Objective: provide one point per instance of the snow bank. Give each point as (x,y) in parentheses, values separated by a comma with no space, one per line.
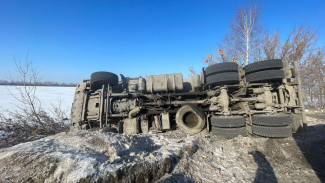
(93,156)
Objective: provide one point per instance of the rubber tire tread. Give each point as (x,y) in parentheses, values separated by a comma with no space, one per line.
(99,78)
(229,133)
(271,64)
(227,78)
(276,132)
(228,122)
(265,76)
(271,120)
(221,67)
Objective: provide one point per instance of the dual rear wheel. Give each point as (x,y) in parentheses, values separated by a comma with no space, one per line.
(259,72)
(191,120)
(268,71)
(222,74)
(274,126)
(228,126)
(277,125)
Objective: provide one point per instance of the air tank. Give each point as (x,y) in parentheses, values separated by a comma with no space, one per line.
(137,85)
(195,81)
(164,83)
(142,85)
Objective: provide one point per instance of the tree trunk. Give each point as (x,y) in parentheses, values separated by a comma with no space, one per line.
(247,48)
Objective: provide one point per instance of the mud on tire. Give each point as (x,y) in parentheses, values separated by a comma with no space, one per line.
(271,120)
(221,68)
(227,122)
(228,133)
(226,78)
(276,132)
(272,64)
(265,76)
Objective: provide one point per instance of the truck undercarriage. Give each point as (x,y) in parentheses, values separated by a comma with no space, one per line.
(263,98)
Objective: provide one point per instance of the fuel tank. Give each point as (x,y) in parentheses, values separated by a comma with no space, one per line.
(164,83)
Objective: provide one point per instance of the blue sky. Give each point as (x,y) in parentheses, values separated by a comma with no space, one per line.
(68,40)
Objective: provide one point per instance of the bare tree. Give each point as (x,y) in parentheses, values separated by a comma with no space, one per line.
(245,29)
(28,76)
(298,44)
(210,59)
(312,75)
(192,72)
(271,45)
(242,43)
(29,119)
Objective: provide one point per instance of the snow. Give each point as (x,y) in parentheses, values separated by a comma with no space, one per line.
(77,156)
(49,97)
(3,134)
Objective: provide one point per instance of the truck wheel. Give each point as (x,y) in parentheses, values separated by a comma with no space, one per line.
(265,76)
(272,64)
(271,120)
(190,119)
(221,67)
(277,132)
(229,133)
(97,79)
(226,78)
(227,122)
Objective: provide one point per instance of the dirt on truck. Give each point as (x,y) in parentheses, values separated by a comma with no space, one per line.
(261,99)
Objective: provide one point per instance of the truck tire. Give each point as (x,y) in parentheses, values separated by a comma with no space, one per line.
(271,120)
(265,76)
(227,122)
(226,78)
(190,119)
(272,64)
(221,67)
(97,79)
(229,133)
(277,132)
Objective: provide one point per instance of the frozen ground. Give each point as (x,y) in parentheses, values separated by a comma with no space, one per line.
(46,94)
(94,156)
(167,157)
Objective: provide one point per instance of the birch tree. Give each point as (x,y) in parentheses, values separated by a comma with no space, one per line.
(241,44)
(245,30)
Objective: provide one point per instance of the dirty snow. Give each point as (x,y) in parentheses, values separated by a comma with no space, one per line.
(253,159)
(3,134)
(92,156)
(167,157)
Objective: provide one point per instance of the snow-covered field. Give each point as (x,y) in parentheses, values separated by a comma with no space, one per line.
(48,96)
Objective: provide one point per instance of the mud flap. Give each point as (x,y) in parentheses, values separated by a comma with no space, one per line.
(297,123)
(131,126)
(144,126)
(165,121)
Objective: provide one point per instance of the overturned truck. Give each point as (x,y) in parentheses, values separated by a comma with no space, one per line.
(262,99)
